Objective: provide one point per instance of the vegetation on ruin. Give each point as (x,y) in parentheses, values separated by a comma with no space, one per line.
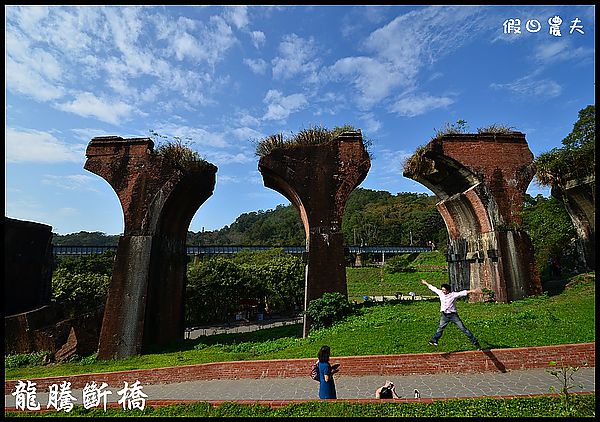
(576,158)
(419,164)
(582,405)
(496,129)
(395,327)
(179,151)
(313,135)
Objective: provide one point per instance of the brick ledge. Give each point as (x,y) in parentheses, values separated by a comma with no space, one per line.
(493,360)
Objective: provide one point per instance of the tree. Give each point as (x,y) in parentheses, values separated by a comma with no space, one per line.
(551,231)
(576,158)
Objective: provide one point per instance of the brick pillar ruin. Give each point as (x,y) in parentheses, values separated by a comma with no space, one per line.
(27,265)
(481,182)
(578,196)
(318,180)
(145,304)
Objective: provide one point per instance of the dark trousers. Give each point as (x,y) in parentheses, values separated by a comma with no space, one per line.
(445,319)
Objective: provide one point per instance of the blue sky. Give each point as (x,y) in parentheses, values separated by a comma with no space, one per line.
(225,76)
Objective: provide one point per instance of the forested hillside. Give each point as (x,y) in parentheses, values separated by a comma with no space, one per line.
(371,218)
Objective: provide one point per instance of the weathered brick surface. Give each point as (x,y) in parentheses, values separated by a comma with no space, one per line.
(318,180)
(579,199)
(481,182)
(27,265)
(494,360)
(159,197)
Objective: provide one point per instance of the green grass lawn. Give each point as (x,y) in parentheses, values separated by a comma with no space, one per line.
(389,328)
(580,406)
(372,281)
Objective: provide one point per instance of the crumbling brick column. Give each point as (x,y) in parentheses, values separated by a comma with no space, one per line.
(481,181)
(27,265)
(318,179)
(578,196)
(159,197)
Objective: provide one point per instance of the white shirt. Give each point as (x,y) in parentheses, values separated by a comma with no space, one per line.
(447,300)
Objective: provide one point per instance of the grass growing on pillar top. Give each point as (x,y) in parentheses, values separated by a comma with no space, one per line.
(314,135)
(179,151)
(419,164)
(497,129)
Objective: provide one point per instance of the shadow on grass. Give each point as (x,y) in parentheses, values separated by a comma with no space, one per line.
(258,336)
(554,287)
(499,365)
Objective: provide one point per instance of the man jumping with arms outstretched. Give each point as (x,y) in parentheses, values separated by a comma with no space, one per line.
(449,312)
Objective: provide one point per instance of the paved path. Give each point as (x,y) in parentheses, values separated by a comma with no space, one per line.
(521,382)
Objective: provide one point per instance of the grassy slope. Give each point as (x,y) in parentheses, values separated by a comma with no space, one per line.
(391,328)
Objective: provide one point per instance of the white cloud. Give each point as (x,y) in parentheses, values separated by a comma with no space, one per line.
(42,147)
(414,105)
(258,66)
(390,162)
(258,38)
(221,158)
(372,125)
(238,15)
(184,45)
(280,107)
(246,133)
(403,47)
(561,50)
(223,179)
(198,136)
(297,57)
(86,134)
(373,79)
(87,104)
(530,87)
(24,80)
(71,182)
(52,51)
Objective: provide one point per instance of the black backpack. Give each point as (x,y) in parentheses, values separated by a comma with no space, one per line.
(314,371)
(386,393)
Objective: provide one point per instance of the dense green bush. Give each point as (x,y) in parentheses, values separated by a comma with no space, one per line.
(328,309)
(99,263)
(552,233)
(80,284)
(79,293)
(25,359)
(216,285)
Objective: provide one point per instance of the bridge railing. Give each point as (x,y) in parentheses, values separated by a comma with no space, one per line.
(60,250)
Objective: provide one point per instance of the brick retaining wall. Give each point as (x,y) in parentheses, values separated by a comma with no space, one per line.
(494,360)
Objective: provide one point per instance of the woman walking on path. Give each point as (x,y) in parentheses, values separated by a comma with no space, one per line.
(326,371)
(449,313)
